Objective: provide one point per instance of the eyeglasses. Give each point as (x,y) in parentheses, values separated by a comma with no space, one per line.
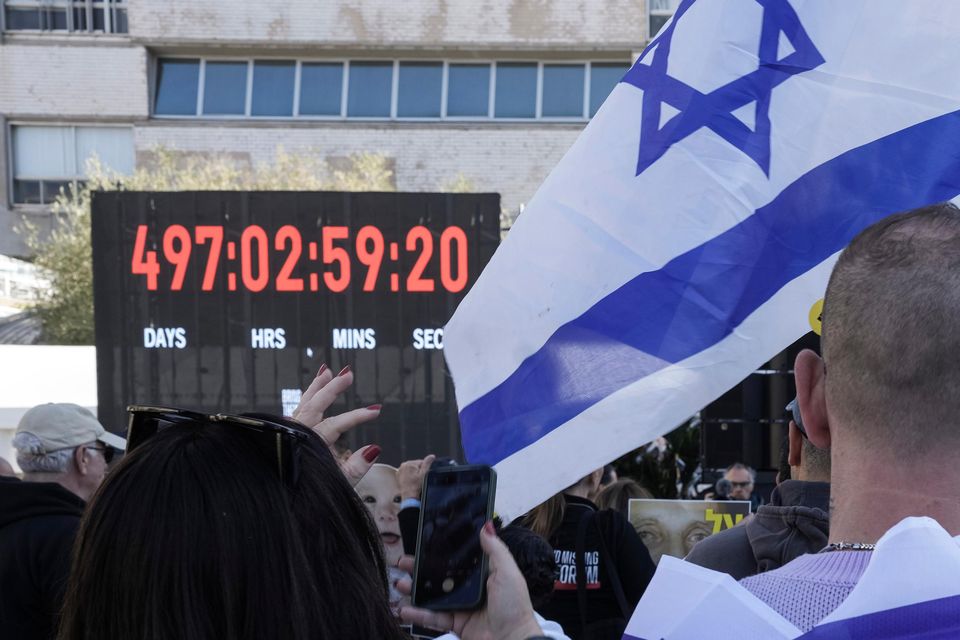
(279,442)
(106,452)
(740,485)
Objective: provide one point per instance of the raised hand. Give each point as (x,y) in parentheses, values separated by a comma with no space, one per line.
(410,476)
(319,396)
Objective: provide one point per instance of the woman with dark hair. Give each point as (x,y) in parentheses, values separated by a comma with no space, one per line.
(229,527)
(603,565)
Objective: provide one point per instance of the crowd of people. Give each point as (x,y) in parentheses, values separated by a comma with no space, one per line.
(254,526)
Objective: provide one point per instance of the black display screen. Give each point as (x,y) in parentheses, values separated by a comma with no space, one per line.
(231,301)
(450,570)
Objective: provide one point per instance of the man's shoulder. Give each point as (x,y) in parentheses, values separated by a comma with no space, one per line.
(727,551)
(41,510)
(807,589)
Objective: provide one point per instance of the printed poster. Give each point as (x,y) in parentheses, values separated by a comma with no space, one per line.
(673,527)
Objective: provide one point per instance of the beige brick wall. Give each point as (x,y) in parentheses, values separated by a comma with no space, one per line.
(511,160)
(509,24)
(80,79)
(77,78)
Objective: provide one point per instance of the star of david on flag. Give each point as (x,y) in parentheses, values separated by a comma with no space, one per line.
(682,240)
(784,49)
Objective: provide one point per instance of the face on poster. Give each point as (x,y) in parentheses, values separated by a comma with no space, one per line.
(672,527)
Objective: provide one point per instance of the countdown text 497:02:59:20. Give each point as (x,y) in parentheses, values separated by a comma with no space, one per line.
(336,251)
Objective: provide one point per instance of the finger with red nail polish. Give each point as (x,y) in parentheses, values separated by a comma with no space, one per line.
(371,453)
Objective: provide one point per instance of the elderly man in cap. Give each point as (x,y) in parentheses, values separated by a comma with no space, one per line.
(64,452)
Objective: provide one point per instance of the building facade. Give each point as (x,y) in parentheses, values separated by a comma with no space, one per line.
(493,91)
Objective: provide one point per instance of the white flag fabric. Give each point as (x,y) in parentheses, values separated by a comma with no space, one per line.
(685,600)
(683,239)
(910,589)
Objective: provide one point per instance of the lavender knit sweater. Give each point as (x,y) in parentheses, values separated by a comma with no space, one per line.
(808,589)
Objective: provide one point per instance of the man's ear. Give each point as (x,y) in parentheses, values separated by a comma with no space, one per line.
(810,375)
(795,440)
(80,460)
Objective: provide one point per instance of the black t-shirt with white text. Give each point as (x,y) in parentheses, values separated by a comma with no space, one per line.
(630,557)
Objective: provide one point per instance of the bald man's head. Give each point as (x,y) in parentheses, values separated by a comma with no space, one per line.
(891,332)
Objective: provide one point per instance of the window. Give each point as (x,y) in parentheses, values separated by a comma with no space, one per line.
(92,16)
(273,88)
(321,88)
(660,12)
(382,89)
(603,78)
(419,90)
(371,87)
(563,90)
(468,90)
(516,95)
(225,88)
(177,87)
(47,159)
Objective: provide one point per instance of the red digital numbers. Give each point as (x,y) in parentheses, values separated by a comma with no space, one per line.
(289,234)
(176,250)
(144,262)
(420,235)
(333,254)
(258,282)
(255,250)
(215,236)
(372,258)
(449,237)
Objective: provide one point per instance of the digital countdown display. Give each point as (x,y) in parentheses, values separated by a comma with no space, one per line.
(231,301)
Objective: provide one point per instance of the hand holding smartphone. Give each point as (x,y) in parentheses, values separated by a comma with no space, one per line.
(451,568)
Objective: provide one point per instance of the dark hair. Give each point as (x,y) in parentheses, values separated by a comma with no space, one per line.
(617,495)
(534,558)
(890,338)
(546,517)
(607,477)
(783,471)
(194,535)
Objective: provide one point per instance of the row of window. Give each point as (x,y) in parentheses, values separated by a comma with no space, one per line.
(47,159)
(382,89)
(105,16)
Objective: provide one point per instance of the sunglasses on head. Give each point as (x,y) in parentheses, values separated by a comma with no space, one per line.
(279,442)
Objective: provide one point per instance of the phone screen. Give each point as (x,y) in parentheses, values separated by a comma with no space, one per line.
(450,565)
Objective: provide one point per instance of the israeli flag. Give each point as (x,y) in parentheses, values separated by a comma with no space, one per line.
(684,238)
(908,590)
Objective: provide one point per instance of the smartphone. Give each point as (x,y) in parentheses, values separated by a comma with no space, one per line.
(451,569)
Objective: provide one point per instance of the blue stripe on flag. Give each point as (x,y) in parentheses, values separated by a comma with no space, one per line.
(662,317)
(931,620)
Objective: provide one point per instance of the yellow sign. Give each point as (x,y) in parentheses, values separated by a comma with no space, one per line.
(816,316)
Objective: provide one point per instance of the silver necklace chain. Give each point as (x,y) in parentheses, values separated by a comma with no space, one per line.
(849,546)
